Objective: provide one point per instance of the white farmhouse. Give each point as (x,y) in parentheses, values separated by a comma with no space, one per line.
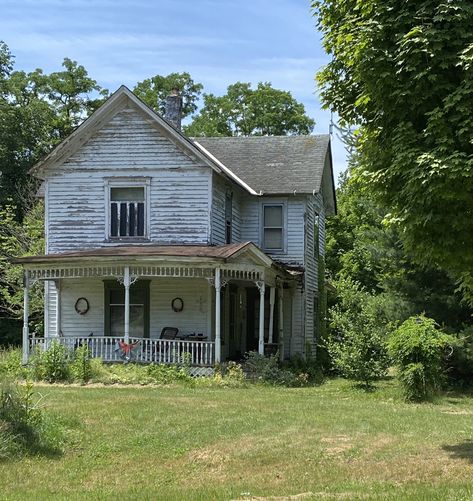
(207,247)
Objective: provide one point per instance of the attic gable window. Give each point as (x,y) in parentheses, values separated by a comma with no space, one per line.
(273,227)
(127,210)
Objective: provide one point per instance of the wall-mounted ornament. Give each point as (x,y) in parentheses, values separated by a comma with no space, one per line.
(82,306)
(177,304)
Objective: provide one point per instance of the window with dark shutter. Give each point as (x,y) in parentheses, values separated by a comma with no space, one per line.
(273,227)
(127,212)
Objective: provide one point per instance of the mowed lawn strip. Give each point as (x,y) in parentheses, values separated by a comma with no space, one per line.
(328,442)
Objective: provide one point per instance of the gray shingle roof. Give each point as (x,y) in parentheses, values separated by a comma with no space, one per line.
(273,164)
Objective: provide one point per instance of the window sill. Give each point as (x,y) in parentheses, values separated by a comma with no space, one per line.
(274,251)
(129,240)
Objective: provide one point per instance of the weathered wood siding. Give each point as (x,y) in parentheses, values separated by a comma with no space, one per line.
(251,225)
(128,146)
(298,315)
(315,216)
(219,190)
(73,324)
(51,298)
(287,322)
(193,318)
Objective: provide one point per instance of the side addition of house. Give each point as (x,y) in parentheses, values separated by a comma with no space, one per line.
(204,247)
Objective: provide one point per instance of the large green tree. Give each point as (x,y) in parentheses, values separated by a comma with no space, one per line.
(403,73)
(361,248)
(36,112)
(243,111)
(153,91)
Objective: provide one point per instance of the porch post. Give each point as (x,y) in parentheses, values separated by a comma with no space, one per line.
(281,322)
(261,288)
(26,314)
(272,293)
(218,339)
(126,283)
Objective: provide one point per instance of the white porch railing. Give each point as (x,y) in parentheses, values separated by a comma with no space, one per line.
(160,351)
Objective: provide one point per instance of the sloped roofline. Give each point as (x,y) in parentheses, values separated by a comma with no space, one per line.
(150,252)
(82,133)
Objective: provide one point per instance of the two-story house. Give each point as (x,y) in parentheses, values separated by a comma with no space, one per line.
(204,246)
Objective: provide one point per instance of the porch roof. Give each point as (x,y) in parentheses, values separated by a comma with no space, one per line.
(219,252)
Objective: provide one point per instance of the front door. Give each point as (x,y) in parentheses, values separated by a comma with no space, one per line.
(115,309)
(252,320)
(234,348)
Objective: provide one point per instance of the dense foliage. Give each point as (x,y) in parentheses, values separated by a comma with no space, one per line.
(20,239)
(361,247)
(37,111)
(403,73)
(59,364)
(417,349)
(357,344)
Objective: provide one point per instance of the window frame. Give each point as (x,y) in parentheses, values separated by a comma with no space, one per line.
(142,286)
(127,182)
(283,228)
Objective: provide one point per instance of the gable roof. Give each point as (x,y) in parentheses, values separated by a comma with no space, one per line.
(274,164)
(258,164)
(101,116)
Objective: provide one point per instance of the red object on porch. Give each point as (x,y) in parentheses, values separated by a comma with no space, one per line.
(127,347)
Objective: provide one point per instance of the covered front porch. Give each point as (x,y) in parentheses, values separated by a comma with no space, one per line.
(218,301)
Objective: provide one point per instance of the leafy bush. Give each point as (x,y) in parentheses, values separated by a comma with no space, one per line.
(52,365)
(460,360)
(228,375)
(167,374)
(81,369)
(357,341)
(267,370)
(10,364)
(417,348)
(307,369)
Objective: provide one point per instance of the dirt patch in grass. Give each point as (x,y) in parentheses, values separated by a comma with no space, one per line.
(337,444)
(306,495)
(457,412)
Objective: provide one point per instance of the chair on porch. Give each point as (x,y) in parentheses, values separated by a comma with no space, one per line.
(167,333)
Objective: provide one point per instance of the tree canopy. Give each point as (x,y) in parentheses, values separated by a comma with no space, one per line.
(363,249)
(153,91)
(243,111)
(36,112)
(403,73)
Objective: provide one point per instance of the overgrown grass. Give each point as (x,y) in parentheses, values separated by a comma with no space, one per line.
(25,429)
(59,365)
(326,442)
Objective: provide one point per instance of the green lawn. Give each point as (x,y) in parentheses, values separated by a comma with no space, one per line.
(329,442)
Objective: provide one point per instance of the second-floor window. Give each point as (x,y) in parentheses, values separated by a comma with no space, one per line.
(127,212)
(273,227)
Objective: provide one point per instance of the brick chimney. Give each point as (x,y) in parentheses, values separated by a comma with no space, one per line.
(174,108)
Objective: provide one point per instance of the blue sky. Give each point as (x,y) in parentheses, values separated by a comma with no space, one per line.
(217,41)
